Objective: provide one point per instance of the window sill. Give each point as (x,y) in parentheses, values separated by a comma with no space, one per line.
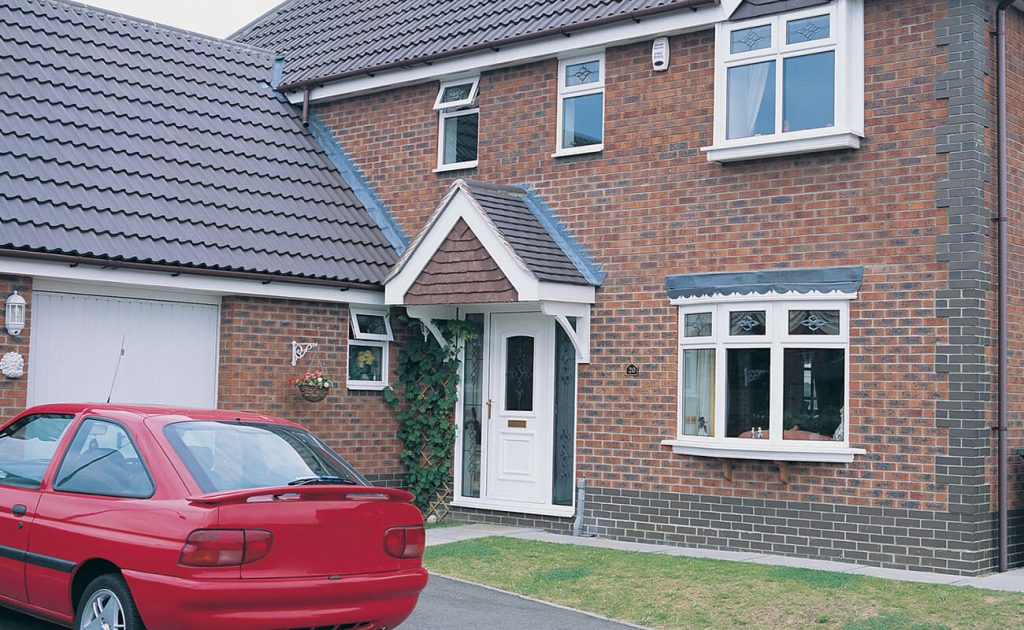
(590,148)
(372,387)
(782,145)
(764,450)
(518,508)
(458,166)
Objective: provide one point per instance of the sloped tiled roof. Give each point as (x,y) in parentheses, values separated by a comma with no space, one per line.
(130,141)
(327,38)
(509,209)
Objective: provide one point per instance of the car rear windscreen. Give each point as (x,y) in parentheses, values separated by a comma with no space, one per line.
(223,456)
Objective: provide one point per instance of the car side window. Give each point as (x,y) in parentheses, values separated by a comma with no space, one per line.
(27,447)
(102,459)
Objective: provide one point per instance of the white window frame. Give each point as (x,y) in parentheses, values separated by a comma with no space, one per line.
(565,92)
(846,30)
(443,119)
(440,105)
(446,110)
(362,339)
(777,338)
(358,334)
(384,362)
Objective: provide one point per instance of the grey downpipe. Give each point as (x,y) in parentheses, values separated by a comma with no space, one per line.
(581,501)
(1004,276)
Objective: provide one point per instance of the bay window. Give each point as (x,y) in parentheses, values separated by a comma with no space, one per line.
(764,379)
(789,83)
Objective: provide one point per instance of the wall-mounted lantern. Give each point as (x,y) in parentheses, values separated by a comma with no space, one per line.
(15,317)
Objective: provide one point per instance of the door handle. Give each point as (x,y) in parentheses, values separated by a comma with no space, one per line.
(489,403)
(19,510)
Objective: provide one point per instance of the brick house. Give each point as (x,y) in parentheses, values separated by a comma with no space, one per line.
(778,331)
(732,262)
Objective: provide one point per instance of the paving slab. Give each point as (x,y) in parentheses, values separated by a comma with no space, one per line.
(1009,581)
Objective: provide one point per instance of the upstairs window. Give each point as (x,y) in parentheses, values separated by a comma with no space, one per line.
(580,105)
(458,125)
(789,83)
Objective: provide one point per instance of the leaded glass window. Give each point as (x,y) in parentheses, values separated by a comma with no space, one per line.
(815,322)
(519,352)
(472,406)
(697,325)
(807,29)
(747,323)
(770,369)
(748,39)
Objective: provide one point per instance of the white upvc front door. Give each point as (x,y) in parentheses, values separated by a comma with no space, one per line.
(519,408)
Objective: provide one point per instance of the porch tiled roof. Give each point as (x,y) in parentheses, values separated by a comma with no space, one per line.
(509,208)
(128,141)
(327,38)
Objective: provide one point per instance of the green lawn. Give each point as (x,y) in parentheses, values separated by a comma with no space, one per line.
(673,592)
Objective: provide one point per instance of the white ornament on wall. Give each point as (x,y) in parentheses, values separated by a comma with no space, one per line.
(12,365)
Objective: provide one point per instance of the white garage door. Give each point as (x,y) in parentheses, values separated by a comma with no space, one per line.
(170,348)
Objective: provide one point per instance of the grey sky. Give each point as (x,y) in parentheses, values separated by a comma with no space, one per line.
(219,18)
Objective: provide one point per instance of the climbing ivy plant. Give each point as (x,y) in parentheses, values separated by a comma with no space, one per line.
(424,398)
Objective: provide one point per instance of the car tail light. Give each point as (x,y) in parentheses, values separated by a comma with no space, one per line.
(405,542)
(225,547)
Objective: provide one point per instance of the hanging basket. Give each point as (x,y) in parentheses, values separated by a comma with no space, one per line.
(313,393)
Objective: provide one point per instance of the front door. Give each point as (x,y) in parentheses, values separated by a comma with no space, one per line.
(520,408)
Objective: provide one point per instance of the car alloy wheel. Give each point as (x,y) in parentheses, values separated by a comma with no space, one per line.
(103,611)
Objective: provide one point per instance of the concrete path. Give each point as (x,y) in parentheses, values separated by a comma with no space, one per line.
(1010,581)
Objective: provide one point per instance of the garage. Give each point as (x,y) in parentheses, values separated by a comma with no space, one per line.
(170,345)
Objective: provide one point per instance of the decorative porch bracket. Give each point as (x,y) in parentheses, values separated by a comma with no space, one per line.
(580,335)
(427,315)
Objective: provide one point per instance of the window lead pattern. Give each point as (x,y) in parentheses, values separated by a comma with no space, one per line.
(749,39)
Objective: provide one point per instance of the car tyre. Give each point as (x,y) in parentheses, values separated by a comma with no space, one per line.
(108,603)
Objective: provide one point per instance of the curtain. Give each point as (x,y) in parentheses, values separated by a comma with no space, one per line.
(747,85)
(698,391)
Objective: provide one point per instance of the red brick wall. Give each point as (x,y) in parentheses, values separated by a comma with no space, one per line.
(1015,184)
(255,374)
(13,391)
(651,205)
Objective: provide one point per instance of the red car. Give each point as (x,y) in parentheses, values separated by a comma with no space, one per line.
(115,516)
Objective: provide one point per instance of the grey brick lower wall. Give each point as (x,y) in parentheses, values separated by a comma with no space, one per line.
(962,544)
(392,480)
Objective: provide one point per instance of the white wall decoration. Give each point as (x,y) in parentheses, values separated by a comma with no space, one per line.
(12,365)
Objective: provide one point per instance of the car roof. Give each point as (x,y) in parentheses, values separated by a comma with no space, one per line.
(138,413)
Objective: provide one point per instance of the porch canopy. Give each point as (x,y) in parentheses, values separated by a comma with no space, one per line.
(487,245)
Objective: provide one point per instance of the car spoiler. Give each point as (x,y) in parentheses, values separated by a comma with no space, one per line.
(304,492)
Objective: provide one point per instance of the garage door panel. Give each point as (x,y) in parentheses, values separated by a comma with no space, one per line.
(170,350)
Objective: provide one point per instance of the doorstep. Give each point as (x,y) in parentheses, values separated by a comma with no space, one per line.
(1010,581)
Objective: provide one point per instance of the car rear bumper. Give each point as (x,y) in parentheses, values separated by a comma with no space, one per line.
(382,599)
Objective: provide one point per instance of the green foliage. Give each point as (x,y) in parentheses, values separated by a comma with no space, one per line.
(424,398)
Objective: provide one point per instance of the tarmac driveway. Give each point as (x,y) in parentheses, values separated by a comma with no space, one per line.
(446,604)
